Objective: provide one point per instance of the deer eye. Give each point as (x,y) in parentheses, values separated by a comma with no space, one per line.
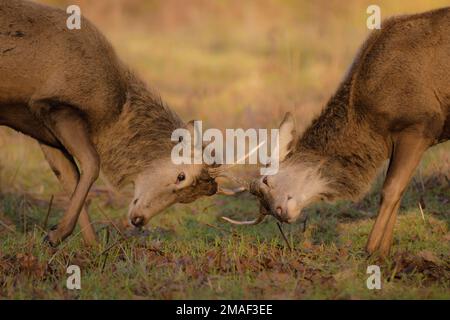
(265,181)
(181,177)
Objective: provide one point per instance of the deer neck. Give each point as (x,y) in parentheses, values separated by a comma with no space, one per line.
(140,135)
(345,146)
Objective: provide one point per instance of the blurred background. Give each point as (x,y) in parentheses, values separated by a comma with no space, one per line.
(240,63)
(236,63)
(229,63)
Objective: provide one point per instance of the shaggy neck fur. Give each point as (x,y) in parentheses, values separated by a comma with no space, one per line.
(343,148)
(140,135)
(341,143)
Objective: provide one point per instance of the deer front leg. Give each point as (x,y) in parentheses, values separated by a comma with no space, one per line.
(72,131)
(65,169)
(408,150)
(388,235)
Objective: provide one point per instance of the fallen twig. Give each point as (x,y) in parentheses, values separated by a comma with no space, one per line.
(117,242)
(48,212)
(111,222)
(119,231)
(284,236)
(421,212)
(304,224)
(107,253)
(7,227)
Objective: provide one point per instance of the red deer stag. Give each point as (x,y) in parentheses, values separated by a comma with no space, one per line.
(68,90)
(394,103)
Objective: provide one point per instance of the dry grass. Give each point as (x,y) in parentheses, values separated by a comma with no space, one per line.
(231,64)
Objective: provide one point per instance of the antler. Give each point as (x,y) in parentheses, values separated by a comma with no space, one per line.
(222,172)
(256,221)
(230,192)
(262,215)
(219,171)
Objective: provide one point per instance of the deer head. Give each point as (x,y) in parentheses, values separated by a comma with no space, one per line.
(297,183)
(164,183)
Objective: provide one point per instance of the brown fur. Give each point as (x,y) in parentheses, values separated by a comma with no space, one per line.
(394,104)
(69,90)
(140,135)
(395,82)
(129,125)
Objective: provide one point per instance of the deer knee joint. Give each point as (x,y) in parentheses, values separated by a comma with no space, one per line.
(391,195)
(92,167)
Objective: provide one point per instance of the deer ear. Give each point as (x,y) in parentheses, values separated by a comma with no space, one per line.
(287,136)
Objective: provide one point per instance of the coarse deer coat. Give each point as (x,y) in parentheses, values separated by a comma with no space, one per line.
(394,103)
(69,91)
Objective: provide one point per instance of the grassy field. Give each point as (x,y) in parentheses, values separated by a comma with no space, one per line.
(231,64)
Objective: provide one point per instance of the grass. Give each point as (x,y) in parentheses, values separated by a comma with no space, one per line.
(230,65)
(189,252)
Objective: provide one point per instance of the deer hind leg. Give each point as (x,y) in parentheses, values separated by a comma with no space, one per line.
(65,169)
(408,149)
(72,132)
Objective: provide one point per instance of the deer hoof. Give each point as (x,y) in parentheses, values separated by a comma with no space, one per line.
(50,240)
(370,250)
(372,246)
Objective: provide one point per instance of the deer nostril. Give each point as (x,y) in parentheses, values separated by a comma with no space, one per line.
(289,198)
(137,221)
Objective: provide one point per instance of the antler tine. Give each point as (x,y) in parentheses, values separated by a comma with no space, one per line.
(230,192)
(256,221)
(218,171)
(241,182)
(262,215)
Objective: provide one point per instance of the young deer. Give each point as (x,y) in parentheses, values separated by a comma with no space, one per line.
(393,104)
(68,90)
